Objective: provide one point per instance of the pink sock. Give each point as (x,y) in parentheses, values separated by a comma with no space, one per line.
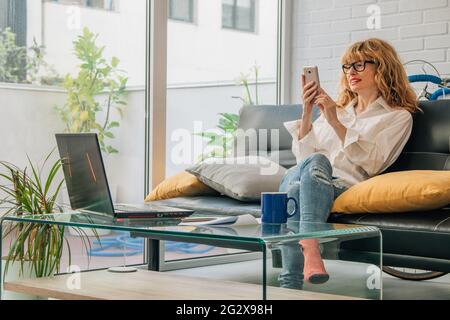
(313,264)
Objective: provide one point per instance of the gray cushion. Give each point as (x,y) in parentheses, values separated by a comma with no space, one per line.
(242,179)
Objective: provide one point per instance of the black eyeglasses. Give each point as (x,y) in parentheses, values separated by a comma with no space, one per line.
(359,66)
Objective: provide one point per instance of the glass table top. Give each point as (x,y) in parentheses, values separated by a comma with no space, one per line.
(267,233)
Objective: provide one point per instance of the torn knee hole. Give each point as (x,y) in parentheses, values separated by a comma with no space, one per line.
(320,176)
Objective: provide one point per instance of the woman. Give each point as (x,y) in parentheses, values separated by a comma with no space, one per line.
(354,139)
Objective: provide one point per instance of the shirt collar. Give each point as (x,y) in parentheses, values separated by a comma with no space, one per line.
(379,102)
(383,103)
(351,106)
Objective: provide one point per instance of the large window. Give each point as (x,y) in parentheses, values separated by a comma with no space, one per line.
(77,70)
(212,74)
(239,15)
(181,10)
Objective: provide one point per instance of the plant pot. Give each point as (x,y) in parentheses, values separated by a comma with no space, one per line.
(15,275)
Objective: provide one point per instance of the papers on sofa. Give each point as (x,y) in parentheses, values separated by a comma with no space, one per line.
(242,220)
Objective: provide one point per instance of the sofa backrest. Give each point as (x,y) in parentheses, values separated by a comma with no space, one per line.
(427,149)
(268,118)
(429,145)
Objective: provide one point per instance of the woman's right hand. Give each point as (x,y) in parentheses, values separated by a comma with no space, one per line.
(310,91)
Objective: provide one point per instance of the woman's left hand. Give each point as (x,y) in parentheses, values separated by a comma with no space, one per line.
(327,106)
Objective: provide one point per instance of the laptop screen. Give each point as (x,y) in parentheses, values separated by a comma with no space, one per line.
(84,172)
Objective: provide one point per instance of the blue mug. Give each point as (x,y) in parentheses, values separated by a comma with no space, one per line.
(274,207)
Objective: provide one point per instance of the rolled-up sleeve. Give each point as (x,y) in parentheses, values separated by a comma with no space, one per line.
(304,147)
(376,147)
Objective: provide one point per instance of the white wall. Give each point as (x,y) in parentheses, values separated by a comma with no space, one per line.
(322,30)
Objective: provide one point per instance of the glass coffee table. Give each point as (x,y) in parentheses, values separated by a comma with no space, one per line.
(270,240)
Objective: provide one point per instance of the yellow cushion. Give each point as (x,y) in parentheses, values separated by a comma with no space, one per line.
(404,191)
(182,185)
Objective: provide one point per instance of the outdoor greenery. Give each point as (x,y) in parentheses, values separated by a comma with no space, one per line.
(28,192)
(220,141)
(21,65)
(97,78)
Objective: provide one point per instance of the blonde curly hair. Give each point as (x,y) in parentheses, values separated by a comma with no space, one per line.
(390,75)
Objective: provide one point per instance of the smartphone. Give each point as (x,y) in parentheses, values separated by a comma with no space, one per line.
(311,74)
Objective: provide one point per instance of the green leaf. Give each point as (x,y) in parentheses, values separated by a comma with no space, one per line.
(115,62)
(113,124)
(230,116)
(120,112)
(111,150)
(109,135)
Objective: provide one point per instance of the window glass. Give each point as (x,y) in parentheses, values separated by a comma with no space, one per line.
(239,15)
(212,74)
(182,10)
(71,69)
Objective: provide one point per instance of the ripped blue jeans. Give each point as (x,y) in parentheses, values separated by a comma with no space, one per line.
(312,184)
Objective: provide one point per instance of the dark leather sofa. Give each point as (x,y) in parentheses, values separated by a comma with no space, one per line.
(419,240)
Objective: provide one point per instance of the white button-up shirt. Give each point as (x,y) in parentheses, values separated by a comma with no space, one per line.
(374,140)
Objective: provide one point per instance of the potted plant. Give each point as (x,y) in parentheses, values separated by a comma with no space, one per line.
(96,77)
(35,249)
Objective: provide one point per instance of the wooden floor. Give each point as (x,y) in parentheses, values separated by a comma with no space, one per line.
(148,285)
